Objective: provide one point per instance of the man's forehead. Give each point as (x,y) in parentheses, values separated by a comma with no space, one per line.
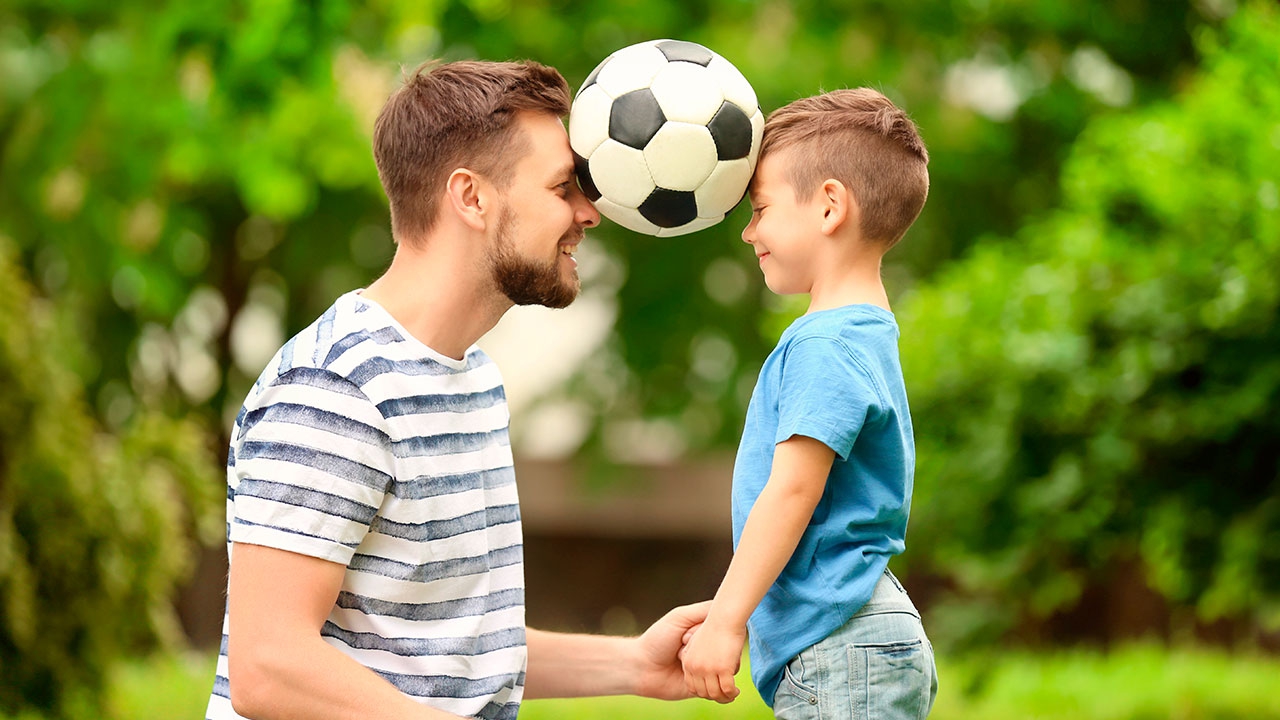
(548,149)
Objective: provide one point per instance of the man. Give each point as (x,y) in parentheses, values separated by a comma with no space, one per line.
(373,526)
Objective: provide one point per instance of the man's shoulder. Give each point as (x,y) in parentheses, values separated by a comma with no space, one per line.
(330,350)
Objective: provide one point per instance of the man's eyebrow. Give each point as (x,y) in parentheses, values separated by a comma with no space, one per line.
(565,172)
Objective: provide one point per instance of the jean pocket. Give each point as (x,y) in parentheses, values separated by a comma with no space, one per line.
(890,681)
(795,700)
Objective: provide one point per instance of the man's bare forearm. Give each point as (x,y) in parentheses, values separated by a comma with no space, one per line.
(565,665)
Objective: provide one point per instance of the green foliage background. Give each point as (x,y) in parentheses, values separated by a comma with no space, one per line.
(94,527)
(1088,302)
(1102,387)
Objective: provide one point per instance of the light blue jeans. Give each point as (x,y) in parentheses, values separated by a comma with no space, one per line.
(878,666)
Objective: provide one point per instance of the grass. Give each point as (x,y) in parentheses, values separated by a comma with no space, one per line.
(164,688)
(1139,682)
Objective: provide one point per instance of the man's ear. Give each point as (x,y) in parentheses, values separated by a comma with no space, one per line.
(468,196)
(838,205)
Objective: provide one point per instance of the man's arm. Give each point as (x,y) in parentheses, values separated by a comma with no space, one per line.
(279,666)
(769,537)
(565,665)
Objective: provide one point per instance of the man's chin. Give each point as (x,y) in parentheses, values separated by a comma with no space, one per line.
(561,300)
(560,297)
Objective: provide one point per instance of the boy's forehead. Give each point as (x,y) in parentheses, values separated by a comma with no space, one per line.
(769,172)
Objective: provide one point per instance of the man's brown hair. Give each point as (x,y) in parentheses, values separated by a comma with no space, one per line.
(459,114)
(863,140)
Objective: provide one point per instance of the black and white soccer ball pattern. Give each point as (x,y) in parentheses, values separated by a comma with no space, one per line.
(665,135)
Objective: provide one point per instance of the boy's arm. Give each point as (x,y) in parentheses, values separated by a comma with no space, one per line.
(772,531)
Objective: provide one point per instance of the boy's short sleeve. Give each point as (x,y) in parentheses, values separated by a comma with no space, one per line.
(310,466)
(825,394)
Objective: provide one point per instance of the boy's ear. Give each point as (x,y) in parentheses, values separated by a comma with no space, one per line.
(838,205)
(468,196)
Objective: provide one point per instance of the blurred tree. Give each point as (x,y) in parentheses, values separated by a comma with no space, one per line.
(192,181)
(94,527)
(188,183)
(1103,388)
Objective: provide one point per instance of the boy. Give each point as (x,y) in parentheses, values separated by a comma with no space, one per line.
(823,477)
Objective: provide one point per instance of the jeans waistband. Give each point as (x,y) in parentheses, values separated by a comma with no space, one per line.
(888,597)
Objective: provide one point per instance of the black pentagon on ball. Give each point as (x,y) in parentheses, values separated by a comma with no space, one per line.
(683,51)
(591,79)
(669,208)
(731,129)
(585,182)
(635,118)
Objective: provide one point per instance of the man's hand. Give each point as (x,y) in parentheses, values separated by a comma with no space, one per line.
(661,674)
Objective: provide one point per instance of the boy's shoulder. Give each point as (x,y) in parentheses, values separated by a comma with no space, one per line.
(850,323)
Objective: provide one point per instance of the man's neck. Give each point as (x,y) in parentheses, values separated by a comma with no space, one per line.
(443,298)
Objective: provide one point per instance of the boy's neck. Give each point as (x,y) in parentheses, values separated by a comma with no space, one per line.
(855,281)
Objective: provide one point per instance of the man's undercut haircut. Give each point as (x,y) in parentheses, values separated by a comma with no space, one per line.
(863,140)
(456,115)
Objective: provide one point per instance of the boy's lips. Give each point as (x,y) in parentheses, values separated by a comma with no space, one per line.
(762,256)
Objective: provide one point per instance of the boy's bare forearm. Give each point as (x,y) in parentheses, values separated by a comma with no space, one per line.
(773,529)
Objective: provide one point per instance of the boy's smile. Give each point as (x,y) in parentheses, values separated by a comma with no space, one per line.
(780,228)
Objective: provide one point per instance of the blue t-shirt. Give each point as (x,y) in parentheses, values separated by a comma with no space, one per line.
(835,377)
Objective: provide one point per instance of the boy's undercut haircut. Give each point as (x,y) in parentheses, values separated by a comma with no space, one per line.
(459,114)
(863,140)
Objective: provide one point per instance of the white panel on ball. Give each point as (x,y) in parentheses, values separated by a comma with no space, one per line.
(723,189)
(621,173)
(660,149)
(680,156)
(757,135)
(589,120)
(685,229)
(735,87)
(629,218)
(631,68)
(687,93)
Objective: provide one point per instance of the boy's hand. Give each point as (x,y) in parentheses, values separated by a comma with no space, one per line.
(711,659)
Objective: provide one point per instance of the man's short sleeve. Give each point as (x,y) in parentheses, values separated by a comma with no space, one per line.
(311,464)
(825,394)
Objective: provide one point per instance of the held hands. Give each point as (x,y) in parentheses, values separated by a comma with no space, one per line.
(659,673)
(712,655)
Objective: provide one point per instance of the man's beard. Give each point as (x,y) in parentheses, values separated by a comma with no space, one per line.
(528,282)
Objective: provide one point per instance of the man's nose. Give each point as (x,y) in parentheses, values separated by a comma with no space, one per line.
(586,214)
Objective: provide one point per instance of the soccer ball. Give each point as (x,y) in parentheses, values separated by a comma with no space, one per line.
(665,135)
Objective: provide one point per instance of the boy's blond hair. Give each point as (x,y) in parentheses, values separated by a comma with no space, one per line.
(863,140)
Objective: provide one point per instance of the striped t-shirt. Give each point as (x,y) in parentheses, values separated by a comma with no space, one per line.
(362,446)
